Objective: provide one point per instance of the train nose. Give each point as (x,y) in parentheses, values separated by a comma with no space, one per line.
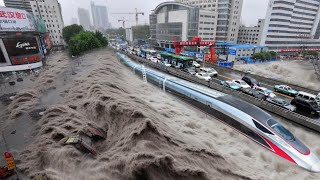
(315,167)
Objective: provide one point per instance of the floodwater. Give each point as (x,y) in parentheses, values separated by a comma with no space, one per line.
(150,134)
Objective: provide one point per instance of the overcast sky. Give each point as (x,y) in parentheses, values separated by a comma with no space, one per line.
(252,10)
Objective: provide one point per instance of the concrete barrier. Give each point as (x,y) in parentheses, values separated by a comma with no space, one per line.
(297,118)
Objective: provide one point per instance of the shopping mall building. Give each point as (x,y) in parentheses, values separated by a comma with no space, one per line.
(24,41)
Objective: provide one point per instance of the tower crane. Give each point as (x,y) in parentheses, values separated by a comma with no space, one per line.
(136,14)
(123,22)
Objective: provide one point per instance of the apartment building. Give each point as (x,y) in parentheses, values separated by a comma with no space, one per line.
(251,35)
(50,12)
(228,13)
(99,16)
(84,18)
(292,25)
(172,21)
(19,4)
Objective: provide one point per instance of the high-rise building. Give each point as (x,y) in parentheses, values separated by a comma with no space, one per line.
(228,13)
(50,12)
(74,21)
(84,18)
(251,35)
(19,4)
(173,21)
(292,25)
(99,16)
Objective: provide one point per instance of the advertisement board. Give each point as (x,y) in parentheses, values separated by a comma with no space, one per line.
(16,20)
(23,50)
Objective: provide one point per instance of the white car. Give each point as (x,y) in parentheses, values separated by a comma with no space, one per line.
(153,59)
(165,63)
(158,56)
(195,64)
(242,84)
(210,71)
(265,91)
(204,76)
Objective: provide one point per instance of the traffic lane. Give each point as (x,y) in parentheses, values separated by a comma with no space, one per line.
(239,76)
(222,77)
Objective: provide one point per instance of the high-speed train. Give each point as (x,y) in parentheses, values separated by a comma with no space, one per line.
(245,118)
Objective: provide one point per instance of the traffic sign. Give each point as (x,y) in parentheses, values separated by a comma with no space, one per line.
(10,162)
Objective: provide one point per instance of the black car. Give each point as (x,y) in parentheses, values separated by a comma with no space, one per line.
(251,81)
(254,93)
(306,105)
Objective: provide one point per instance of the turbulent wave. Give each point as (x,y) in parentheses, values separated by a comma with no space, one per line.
(139,144)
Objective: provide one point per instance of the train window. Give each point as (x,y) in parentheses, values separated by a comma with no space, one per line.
(282,131)
(263,129)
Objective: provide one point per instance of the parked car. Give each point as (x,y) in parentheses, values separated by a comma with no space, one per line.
(306,105)
(203,75)
(282,103)
(254,93)
(231,85)
(242,84)
(210,71)
(265,91)
(191,71)
(250,81)
(285,90)
(195,64)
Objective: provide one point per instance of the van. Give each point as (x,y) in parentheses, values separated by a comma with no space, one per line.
(307,96)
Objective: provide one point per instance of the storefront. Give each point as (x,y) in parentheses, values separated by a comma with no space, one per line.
(24,40)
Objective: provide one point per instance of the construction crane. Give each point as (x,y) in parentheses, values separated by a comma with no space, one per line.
(136,13)
(123,22)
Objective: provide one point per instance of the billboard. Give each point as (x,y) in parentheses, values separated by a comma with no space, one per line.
(15,20)
(20,20)
(24,50)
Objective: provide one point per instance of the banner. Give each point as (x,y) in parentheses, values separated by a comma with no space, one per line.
(15,20)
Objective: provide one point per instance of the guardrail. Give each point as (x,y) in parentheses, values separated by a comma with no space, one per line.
(262,79)
(297,118)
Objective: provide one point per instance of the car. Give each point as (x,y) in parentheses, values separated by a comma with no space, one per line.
(210,71)
(282,103)
(242,84)
(155,60)
(165,63)
(195,64)
(254,93)
(265,91)
(191,71)
(286,90)
(231,85)
(306,105)
(250,81)
(158,56)
(318,99)
(203,76)
(178,66)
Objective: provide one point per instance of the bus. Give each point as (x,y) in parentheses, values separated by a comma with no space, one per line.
(148,54)
(177,61)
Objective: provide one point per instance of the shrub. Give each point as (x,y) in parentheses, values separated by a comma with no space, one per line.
(82,42)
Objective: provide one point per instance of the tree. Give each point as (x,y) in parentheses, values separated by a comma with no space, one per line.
(141,32)
(103,40)
(273,54)
(69,31)
(82,42)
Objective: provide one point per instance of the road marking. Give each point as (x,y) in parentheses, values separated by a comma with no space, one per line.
(225,76)
(283,95)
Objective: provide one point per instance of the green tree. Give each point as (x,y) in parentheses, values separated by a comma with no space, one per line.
(69,31)
(273,54)
(141,32)
(103,40)
(82,42)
